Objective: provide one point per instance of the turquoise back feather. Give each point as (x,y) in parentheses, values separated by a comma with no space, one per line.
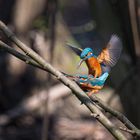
(93,81)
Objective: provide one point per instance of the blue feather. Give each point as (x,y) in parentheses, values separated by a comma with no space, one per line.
(85,53)
(93,81)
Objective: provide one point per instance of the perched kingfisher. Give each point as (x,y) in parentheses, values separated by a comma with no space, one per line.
(97,65)
(88,83)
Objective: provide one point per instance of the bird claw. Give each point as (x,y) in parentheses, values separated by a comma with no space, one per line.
(90,76)
(92,92)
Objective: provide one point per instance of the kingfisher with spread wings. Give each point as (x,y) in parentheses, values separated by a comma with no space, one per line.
(108,57)
(98,66)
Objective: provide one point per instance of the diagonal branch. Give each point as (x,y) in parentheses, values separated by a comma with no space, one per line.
(25,58)
(128,130)
(115,113)
(73,86)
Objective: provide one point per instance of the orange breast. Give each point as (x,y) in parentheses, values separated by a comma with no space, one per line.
(94,67)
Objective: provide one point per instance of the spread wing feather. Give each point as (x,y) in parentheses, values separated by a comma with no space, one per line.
(75,49)
(110,55)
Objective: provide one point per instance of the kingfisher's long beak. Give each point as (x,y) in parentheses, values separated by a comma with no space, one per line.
(81,61)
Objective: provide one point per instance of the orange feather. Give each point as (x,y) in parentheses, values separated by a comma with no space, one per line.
(94,67)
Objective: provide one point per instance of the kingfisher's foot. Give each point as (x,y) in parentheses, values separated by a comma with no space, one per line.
(92,92)
(89,77)
(95,90)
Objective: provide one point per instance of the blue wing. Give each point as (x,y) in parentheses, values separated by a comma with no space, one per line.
(94,81)
(89,79)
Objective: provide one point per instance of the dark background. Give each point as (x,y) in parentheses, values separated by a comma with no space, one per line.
(26,110)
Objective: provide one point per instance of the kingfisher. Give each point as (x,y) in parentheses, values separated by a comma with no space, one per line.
(97,65)
(88,83)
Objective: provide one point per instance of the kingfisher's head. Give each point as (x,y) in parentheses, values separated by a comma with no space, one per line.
(85,54)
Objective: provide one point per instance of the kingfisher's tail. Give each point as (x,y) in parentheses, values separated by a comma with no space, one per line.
(104,76)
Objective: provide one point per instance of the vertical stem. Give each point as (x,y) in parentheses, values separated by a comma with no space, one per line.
(133,19)
(52,9)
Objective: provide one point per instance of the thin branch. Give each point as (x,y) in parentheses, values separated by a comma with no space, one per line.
(115,113)
(73,86)
(19,55)
(127,130)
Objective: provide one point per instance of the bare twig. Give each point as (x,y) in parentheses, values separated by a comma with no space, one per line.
(115,113)
(19,55)
(127,130)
